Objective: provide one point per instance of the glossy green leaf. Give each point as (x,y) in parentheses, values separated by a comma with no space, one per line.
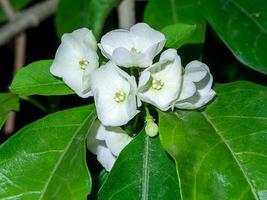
(46,159)
(178,35)
(159,13)
(84,13)
(8,102)
(16,4)
(142,171)
(99,11)
(242,25)
(221,152)
(36,79)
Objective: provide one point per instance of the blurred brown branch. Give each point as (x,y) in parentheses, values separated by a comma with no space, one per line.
(126,13)
(28,18)
(20,51)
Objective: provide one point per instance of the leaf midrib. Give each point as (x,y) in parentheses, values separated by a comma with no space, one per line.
(232,153)
(63,155)
(246,13)
(145,174)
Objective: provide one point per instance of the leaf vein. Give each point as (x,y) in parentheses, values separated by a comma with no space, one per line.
(232,153)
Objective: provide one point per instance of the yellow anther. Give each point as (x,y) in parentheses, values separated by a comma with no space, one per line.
(83,64)
(157,84)
(134,50)
(120,96)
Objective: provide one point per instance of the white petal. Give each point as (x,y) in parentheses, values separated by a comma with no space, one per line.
(75,47)
(116,139)
(65,59)
(136,47)
(106,143)
(196,101)
(115,39)
(93,141)
(106,81)
(154,50)
(125,58)
(83,35)
(188,89)
(106,158)
(145,37)
(196,70)
(199,73)
(169,71)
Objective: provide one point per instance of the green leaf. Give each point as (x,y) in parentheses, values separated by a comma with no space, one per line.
(99,11)
(142,171)
(46,159)
(16,4)
(84,13)
(241,24)
(160,13)
(222,150)
(8,102)
(36,79)
(178,34)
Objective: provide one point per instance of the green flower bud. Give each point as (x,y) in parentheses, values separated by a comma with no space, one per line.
(151,128)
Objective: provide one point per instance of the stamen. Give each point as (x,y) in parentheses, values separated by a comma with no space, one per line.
(157,84)
(83,64)
(134,50)
(120,96)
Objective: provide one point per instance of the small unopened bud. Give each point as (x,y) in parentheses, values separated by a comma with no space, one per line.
(151,128)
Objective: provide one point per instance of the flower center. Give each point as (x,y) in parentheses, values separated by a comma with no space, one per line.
(83,64)
(134,50)
(157,84)
(120,96)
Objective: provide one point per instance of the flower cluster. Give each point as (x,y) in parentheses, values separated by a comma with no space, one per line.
(164,84)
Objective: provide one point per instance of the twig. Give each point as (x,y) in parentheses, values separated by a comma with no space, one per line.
(8,9)
(126,14)
(29,18)
(20,50)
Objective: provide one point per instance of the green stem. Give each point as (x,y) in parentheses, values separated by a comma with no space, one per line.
(147,110)
(148,116)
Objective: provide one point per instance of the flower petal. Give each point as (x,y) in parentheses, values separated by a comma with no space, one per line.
(93,141)
(83,35)
(188,89)
(168,72)
(116,139)
(125,58)
(135,47)
(196,70)
(106,158)
(106,82)
(196,73)
(199,73)
(76,47)
(196,101)
(115,39)
(145,37)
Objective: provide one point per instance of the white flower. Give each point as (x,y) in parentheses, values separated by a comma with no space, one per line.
(106,143)
(75,60)
(115,95)
(196,90)
(160,84)
(136,47)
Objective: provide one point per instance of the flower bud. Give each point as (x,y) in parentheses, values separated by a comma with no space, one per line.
(151,128)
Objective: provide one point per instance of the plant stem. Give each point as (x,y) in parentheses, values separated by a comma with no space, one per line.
(147,110)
